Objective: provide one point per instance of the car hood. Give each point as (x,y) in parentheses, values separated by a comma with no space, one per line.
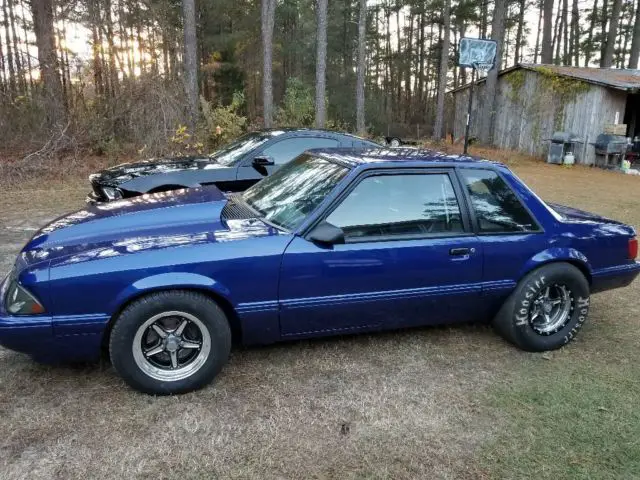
(161,220)
(155,166)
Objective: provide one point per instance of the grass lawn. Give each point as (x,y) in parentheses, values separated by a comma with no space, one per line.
(451,403)
(576,414)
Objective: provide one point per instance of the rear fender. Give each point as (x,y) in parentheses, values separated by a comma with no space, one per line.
(558,254)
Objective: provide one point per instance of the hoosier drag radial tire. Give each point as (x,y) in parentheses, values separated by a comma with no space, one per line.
(170,342)
(546,309)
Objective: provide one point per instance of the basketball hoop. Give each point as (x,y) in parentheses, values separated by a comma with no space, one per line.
(480,55)
(477,52)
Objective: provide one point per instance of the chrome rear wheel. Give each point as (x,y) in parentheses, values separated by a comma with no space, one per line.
(551,309)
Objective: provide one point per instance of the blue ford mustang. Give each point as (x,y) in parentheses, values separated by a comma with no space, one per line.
(336,241)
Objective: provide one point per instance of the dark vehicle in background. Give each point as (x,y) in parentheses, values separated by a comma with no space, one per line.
(233,168)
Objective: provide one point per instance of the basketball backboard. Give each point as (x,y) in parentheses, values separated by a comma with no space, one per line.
(477,52)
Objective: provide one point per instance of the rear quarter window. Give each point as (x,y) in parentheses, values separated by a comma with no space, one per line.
(497,208)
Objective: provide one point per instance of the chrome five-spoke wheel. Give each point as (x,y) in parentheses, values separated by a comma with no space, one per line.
(171,346)
(551,309)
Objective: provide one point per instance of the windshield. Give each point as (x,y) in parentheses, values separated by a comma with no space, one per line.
(295,190)
(230,154)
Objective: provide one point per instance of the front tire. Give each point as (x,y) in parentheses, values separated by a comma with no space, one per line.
(170,342)
(546,310)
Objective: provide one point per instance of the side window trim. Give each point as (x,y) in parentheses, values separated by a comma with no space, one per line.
(298,137)
(468,230)
(471,210)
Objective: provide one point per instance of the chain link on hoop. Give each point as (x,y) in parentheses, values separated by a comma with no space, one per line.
(483,67)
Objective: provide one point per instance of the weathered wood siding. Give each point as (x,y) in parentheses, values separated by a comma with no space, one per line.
(526,113)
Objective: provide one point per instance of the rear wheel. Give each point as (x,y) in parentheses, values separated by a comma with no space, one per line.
(395,142)
(547,308)
(170,342)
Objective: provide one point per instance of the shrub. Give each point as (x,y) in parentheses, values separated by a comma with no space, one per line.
(222,124)
(298,105)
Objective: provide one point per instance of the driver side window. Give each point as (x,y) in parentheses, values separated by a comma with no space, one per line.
(399,205)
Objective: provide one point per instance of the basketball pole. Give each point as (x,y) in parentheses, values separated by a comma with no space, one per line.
(468,126)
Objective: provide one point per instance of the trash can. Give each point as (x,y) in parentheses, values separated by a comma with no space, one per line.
(561,144)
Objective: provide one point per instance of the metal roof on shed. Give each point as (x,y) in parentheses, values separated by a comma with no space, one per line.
(621,79)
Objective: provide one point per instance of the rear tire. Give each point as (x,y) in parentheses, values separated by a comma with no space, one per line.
(170,342)
(546,310)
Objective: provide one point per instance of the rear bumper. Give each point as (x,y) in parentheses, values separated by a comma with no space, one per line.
(614,277)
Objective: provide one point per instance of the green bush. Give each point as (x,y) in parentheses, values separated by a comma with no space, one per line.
(298,105)
(222,124)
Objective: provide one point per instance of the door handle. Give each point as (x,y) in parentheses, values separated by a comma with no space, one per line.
(457,252)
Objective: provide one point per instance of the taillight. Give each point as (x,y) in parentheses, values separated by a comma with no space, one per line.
(633,248)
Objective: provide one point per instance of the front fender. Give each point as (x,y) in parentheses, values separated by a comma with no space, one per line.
(167,281)
(556,254)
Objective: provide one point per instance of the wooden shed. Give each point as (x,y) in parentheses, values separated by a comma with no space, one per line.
(533,101)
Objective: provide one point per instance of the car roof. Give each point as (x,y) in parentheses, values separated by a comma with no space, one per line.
(294,130)
(406,157)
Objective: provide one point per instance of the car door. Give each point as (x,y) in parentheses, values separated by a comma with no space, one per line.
(409,258)
(281,152)
(509,232)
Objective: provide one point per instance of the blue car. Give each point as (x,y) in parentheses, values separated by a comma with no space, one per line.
(335,242)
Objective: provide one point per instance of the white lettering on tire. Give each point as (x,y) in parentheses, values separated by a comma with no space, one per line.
(583,306)
(522,314)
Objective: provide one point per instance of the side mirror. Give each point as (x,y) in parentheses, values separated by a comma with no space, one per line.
(262,161)
(326,234)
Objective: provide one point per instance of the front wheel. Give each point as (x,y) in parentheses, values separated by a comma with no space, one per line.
(546,309)
(170,342)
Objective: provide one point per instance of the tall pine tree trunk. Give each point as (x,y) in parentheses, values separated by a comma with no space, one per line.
(557,35)
(321,63)
(614,20)
(113,73)
(565,35)
(635,43)
(362,43)
(604,19)
(592,25)
(442,76)
(463,71)
(575,33)
(546,55)
(489,107)
(26,42)
(519,40)
(42,13)
(8,46)
(190,60)
(16,48)
(537,47)
(267,18)
(420,92)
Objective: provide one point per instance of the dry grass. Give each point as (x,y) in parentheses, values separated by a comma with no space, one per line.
(427,403)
